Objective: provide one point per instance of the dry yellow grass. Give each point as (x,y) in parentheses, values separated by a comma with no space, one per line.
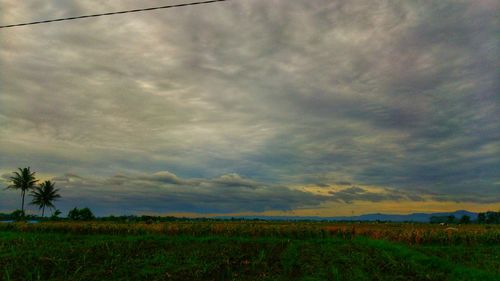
(404,232)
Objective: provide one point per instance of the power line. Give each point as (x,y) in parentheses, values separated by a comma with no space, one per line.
(113,13)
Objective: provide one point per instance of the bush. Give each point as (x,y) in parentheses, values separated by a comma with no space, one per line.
(81,214)
(17,215)
(465,219)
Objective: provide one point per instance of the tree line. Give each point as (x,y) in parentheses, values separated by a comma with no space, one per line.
(489,217)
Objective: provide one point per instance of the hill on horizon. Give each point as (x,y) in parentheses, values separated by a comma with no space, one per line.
(413,217)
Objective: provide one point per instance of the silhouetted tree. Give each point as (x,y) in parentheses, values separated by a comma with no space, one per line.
(74,214)
(492,217)
(55,214)
(481,218)
(44,195)
(86,214)
(465,219)
(23,180)
(17,215)
(438,219)
(450,219)
(83,214)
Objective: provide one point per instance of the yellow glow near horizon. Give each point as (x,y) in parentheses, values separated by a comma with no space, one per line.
(363,207)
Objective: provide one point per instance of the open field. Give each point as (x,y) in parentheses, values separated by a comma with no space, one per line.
(410,233)
(248,251)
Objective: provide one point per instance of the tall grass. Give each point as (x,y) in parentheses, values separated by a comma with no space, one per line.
(408,233)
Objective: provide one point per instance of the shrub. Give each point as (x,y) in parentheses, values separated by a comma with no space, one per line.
(84,214)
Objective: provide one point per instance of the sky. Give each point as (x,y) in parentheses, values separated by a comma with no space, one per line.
(267,107)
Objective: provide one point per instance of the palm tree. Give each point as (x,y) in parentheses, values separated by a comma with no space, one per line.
(44,195)
(24,180)
(55,214)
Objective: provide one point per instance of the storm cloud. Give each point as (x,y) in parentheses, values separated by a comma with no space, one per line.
(270,94)
(140,193)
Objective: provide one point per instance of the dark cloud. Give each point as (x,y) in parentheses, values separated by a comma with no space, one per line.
(352,193)
(400,95)
(158,192)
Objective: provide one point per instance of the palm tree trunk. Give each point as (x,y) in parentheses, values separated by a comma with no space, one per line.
(22,203)
(43,210)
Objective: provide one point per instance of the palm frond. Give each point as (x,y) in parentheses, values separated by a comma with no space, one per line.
(44,195)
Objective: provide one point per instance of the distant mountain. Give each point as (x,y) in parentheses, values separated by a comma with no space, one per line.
(415,217)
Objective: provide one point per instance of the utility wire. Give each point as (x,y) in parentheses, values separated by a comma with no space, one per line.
(113,13)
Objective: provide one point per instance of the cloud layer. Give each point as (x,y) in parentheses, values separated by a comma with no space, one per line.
(272,94)
(164,192)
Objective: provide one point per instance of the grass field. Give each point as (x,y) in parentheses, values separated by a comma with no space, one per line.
(248,251)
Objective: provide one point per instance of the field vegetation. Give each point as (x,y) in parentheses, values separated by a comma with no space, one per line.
(83,247)
(251,250)
(410,233)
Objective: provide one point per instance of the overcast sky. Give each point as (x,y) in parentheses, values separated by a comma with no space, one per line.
(254,106)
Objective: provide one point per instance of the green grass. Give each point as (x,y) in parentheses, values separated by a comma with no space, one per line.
(481,256)
(66,256)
